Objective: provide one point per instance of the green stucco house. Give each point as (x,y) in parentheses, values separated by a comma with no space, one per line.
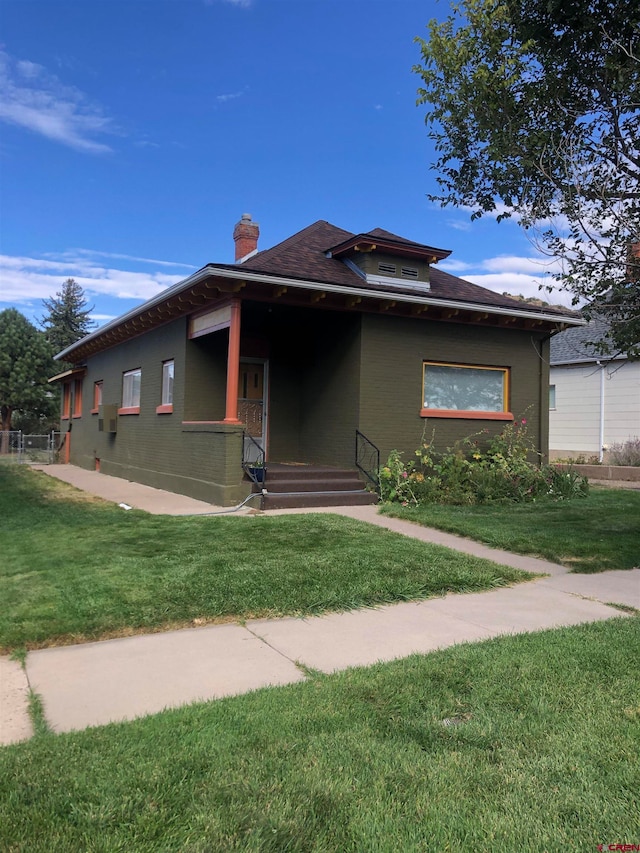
(296,356)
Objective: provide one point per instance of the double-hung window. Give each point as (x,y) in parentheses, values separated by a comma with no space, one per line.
(465,391)
(77,398)
(131,381)
(166,405)
(97,397)
(66,401)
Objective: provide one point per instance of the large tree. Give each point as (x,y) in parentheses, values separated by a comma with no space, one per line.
(68,316)
(25,366)
(534,107)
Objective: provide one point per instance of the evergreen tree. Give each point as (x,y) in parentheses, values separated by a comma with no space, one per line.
(67,319)
(25,365)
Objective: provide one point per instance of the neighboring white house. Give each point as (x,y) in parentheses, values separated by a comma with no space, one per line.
(594,400)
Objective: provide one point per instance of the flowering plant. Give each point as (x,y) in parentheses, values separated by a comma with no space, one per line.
(502,468)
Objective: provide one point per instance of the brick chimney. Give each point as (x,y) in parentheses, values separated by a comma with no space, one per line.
(245,235)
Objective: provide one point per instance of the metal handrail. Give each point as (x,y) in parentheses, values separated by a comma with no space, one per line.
(259,462)
(368,459)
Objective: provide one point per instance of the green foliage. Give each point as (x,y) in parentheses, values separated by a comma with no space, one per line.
(598,533)
(130,571)
(468,474)
(534,110)
(523,743)
(25,366)
(68,317)
(625,453)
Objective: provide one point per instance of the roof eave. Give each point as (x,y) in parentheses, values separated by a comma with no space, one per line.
(211,270)
(161,297)
(409,250)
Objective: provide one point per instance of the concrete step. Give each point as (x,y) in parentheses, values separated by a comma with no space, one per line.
(277,472)
(316,484)
(275,500)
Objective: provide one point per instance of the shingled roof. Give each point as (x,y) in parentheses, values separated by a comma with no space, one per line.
(579,345)
(304,256)
(303,264)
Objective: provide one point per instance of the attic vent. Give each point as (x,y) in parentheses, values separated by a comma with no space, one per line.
(409,272)
(387,269)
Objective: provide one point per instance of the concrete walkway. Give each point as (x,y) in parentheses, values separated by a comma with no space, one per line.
(134,495)
(95,683)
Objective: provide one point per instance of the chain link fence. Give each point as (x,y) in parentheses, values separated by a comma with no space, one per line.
(16,446)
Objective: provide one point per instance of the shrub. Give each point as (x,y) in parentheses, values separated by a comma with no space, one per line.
(625,453)
(467,473)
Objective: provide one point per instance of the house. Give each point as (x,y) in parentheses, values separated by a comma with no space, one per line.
(594,400)
(297,354)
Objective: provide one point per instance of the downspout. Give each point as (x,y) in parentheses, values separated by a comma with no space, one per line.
(601,452)
(543,400)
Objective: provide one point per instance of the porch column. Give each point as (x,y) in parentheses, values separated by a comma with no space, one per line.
(233,365)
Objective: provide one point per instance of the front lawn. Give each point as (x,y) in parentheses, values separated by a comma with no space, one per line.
(520,743)
(76,568)
(592,534)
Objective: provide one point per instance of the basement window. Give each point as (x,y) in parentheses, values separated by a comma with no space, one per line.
(465,391)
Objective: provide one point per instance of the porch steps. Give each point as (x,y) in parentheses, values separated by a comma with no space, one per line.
(291,486)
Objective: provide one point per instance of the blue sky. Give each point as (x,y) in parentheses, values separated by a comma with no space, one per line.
(134,134)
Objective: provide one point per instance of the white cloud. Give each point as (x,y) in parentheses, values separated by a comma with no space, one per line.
(222,99)
(459,224)
(26,281)
(517,275)
(94,253)
(520,284)
(453,265)
(231,96)
(243,4)
(539,266)
(32,98)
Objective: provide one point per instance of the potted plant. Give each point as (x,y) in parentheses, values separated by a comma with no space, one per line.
(256,470)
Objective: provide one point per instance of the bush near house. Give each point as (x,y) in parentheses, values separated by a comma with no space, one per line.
(472,473)
(625,453)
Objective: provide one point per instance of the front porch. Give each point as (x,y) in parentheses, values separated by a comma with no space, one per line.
(287,378)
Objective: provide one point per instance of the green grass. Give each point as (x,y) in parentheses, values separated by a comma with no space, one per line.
(592,534)
(75,568)
(540,754)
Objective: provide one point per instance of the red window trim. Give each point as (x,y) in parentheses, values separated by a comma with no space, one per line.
(96,405)
(129,410)
(166,409)
(66,401)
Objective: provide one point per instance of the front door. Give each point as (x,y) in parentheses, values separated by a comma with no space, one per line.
(252,407)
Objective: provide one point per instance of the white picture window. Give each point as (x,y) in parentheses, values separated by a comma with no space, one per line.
(167,383)
(131,389)
(457,387)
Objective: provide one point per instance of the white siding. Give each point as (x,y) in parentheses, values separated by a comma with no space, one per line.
(574,425)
